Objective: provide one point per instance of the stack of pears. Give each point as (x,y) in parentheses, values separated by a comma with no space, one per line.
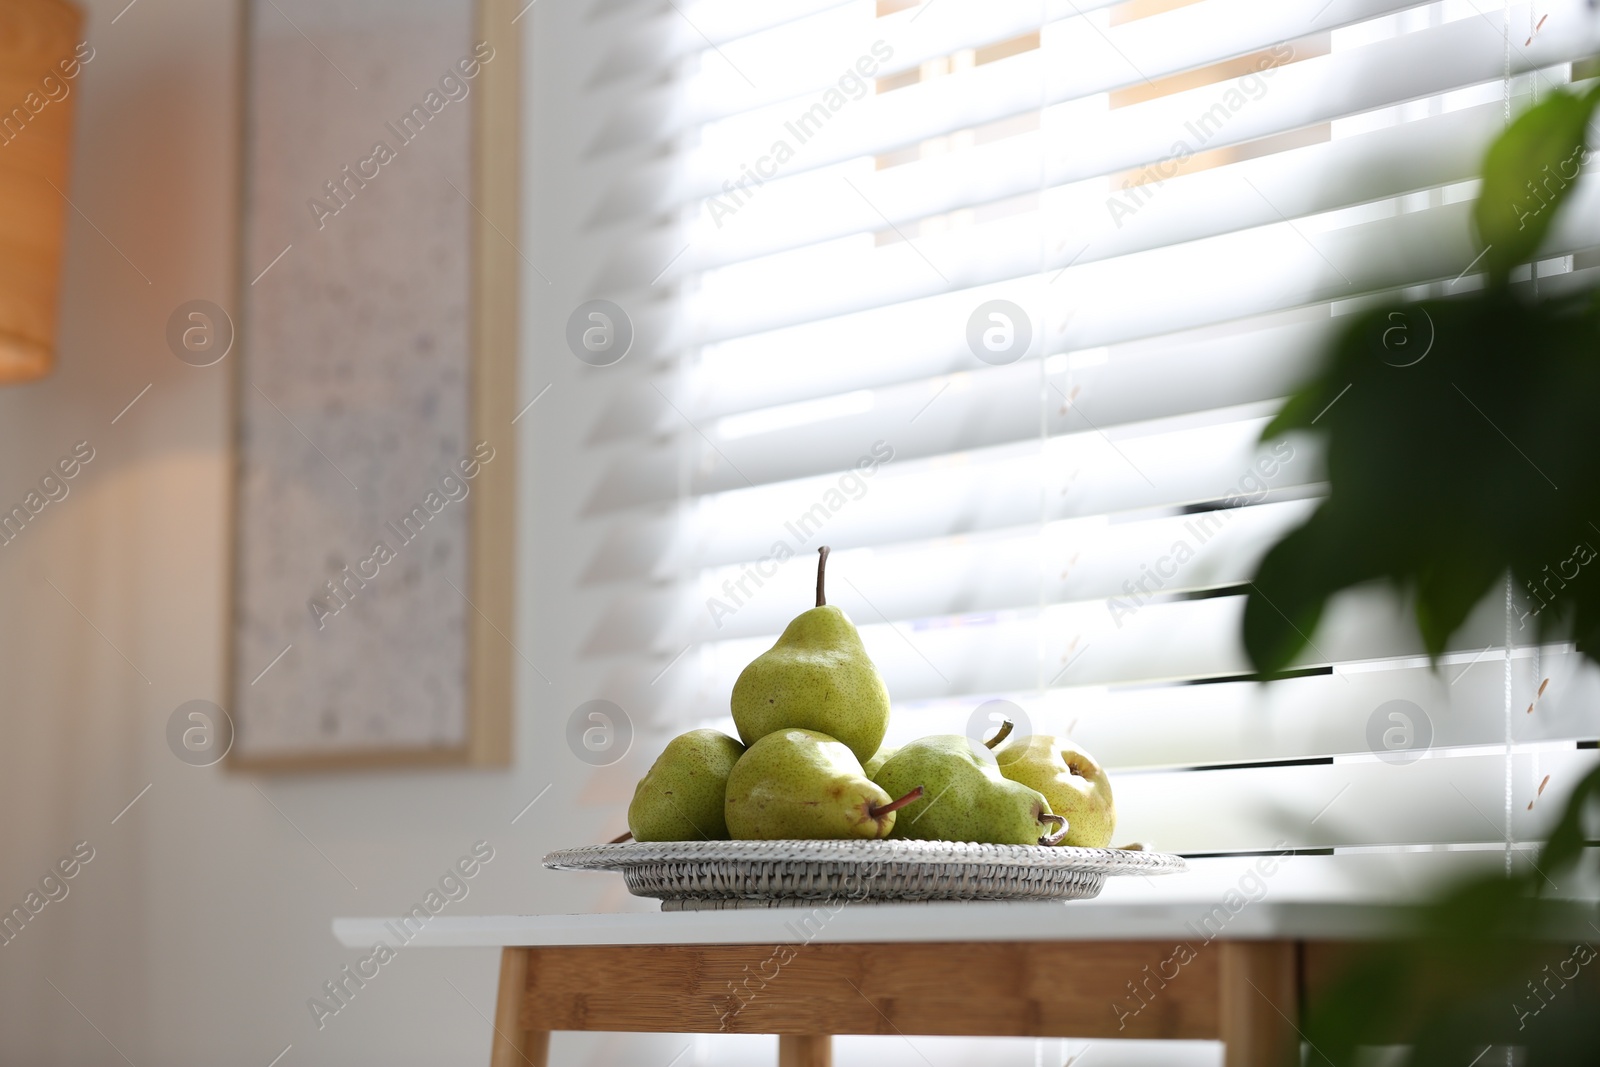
(812,712)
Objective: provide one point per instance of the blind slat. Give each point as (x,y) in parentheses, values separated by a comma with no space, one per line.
(635,44)
(1416,65)
(1458,704)
(1435,801)
(1323,715)
(1222,279)
(1003,571)
(1283,267)
(1090,473)
(1081,644)
(800,61)
(1129,383)
(1106,221)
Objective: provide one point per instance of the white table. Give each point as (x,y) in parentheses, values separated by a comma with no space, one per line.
(1077,920)
(1084,969)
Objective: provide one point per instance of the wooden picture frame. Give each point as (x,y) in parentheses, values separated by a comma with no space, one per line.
(490,388)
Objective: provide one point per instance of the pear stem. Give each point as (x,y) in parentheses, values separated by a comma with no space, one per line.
(1006,726)
(1060,830)
(822,564)
(620,838)
(896,805)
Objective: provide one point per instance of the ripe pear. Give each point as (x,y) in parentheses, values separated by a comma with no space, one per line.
(805,785)
(817,677)
(872,765)
(1074,783)
(965,797)
(680,798)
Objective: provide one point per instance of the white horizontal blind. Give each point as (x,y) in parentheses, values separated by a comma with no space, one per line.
(809,204)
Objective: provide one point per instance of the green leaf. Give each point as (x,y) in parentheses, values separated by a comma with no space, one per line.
(1442,471)
(1566,845)
(1286,598)
(1306,406)
(1527,174)
(1449,586)
(1300,411)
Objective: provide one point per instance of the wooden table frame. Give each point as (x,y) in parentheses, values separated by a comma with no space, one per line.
(1245,993)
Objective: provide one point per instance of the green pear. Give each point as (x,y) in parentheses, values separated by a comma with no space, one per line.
(872,765)
(801,784)
(1074,783)
(965,797)
(680,797)
(817,677)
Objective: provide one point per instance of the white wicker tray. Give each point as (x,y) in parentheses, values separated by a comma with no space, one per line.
(703,875)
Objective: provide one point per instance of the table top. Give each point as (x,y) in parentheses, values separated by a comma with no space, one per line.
(1079,920)
(1334,898)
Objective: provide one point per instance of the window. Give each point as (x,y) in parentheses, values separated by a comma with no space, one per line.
(995,299)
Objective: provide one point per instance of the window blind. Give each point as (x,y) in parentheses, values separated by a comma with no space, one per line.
(995,299)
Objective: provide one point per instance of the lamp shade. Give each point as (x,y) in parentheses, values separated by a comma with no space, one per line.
(40,60)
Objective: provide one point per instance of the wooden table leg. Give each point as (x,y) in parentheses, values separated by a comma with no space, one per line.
(1259,1003)
(805,1050)
(512,1045)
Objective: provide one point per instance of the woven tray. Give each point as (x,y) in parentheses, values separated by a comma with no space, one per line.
(708,875)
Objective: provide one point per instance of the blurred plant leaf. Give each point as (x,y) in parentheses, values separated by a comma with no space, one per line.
(1459,451)
(1448,587)
(1285,601)
(1444,460)
(1565,848)
(1527,174)
(1462,982)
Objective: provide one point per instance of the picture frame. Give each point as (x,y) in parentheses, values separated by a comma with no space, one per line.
(412,676)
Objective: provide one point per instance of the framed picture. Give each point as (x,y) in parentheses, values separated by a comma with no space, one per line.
(376,385)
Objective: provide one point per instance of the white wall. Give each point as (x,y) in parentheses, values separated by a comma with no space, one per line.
(200,928)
